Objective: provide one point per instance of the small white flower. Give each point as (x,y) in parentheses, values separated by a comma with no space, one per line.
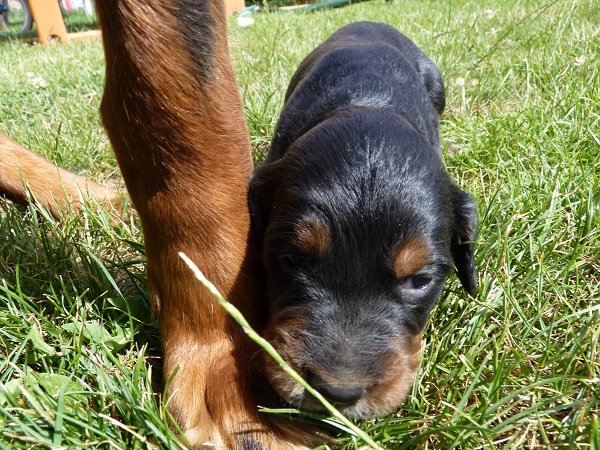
(460,81)
(36,81)
(249,58)
(474,82)
(579,60)
(489,14)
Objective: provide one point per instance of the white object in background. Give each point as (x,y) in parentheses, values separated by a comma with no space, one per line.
(74,5)
(245,21)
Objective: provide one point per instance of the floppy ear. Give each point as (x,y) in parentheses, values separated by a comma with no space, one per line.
(463,237)
(261,193)
(432,78)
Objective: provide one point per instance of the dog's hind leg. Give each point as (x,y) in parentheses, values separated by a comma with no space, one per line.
(173,113)
(23,173)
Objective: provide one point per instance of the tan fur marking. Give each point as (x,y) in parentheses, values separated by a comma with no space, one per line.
(313,237)
(281,335)
(402,367)
(411,257)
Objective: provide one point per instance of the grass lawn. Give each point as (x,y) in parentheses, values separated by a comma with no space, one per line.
(517,367)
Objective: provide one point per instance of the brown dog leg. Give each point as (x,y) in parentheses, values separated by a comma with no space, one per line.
(173,113)
(50,185)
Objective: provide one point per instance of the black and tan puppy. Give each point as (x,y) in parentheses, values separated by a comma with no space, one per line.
(360,222)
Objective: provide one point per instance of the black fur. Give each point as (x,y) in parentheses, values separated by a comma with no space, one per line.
(357,149)
(197,25)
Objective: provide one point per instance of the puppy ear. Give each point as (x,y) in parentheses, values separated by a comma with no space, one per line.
(463,237)
(432,78)
(261,190)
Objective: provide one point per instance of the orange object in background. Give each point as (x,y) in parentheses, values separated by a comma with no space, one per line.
(233,6)
(50,24)
(48,20)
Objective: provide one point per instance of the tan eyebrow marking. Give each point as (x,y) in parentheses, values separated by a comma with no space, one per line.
(411,257)
(313,237)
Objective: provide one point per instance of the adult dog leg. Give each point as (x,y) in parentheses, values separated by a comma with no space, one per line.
(173,113)
(50,185)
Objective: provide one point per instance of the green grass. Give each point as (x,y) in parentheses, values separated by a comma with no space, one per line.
(518,367)
(74,22)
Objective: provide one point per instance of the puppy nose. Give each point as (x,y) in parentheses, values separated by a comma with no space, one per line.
(336,393)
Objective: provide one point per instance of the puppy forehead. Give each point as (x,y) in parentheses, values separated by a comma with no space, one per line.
(411,256)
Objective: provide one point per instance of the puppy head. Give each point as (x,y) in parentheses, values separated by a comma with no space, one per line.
(360,227)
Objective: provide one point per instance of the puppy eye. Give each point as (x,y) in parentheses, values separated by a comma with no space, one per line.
(295,259)
(416,282)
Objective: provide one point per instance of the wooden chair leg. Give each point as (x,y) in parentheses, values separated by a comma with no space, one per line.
(48,20)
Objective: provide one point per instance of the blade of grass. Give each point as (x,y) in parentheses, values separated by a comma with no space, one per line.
(266,345)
